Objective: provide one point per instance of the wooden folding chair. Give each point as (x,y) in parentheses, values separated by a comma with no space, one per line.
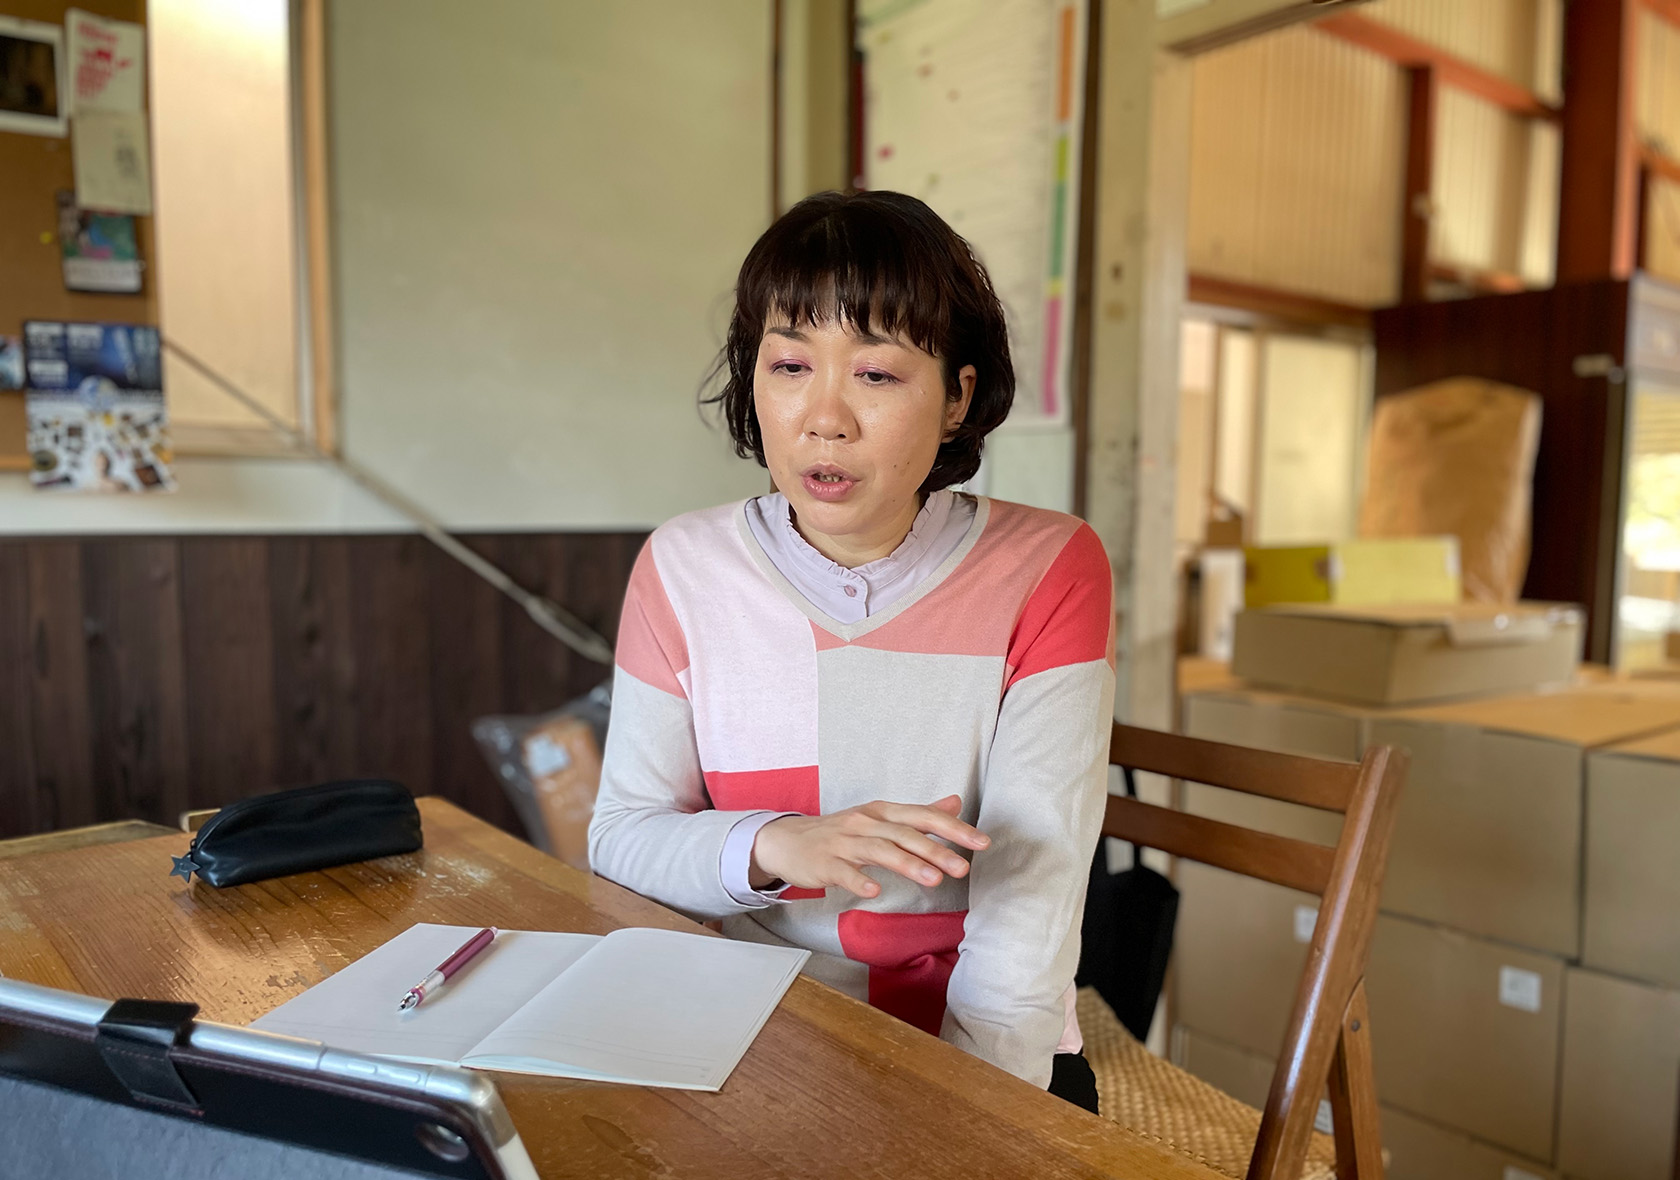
(1329,1037)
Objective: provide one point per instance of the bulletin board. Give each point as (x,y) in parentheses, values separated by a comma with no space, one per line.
(975,107)
(33,168)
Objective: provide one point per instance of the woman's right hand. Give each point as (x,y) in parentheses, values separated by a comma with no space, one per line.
(817,852)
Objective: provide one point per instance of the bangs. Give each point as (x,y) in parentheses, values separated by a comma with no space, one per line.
(852,268)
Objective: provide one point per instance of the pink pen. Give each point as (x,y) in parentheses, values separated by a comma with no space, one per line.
(448,967)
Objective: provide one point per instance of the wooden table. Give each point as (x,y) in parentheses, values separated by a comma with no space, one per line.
(831,1088)
(111,833)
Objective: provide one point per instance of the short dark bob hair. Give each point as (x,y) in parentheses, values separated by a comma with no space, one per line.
(882,262)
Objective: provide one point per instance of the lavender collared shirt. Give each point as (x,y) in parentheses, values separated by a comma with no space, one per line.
(847,596)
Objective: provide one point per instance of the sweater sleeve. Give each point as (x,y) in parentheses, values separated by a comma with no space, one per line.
(654,829)
(1041,802)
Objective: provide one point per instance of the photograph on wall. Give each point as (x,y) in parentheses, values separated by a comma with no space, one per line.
(107,63)
(32,89)
(11,363)
(100,251)
(97,420)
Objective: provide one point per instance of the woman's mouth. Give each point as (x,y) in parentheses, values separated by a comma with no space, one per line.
(827,483)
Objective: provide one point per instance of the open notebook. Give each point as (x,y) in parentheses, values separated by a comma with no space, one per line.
(646,1007)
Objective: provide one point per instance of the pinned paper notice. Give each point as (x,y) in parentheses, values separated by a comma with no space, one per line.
(107,63)
(1519,989)
(113,161)
(1306,919)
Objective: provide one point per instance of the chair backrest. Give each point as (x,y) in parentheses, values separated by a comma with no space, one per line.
(1328,1037)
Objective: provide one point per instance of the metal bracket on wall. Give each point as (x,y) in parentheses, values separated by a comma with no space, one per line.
(1599,364)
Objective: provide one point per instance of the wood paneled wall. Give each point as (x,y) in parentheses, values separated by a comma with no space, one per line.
(1657,82)
(1657,113)
(1297,151)
(141,676)
(1496,190)
(1518,39)
(1298,148)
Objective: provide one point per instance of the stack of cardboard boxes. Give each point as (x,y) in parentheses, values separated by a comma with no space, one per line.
(1525,972)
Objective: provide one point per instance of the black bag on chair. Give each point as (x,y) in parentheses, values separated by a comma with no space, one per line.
(1127,934)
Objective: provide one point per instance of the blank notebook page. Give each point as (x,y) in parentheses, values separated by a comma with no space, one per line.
(356,1009)
(654,1006)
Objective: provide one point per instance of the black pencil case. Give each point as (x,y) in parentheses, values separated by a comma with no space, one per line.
(301,830)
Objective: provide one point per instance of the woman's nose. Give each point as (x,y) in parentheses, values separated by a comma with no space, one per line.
(828,416)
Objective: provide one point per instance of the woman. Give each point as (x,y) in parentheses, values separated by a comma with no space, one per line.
(868,715)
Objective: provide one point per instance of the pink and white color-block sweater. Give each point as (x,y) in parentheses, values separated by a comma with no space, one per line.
(992,680)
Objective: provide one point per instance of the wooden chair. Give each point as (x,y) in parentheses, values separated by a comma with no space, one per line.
(1329,1037)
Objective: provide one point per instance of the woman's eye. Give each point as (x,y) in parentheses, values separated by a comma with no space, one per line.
(791,368)
(873,377)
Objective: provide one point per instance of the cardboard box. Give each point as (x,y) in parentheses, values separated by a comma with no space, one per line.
(1633,870)
(1394,655)
(1271,721)
(1418,1149)
(1668,671)
(1243,1075)
(1415,1148)
(1594,674)
(1354,573)
(1239,951)
(1268,720)
(1465,1031)
(1201,674)
(1621,1079)
(1489,834)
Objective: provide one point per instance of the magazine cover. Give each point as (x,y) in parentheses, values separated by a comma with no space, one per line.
(95,403)
(100,250)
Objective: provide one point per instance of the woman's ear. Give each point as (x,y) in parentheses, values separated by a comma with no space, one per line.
(956,409)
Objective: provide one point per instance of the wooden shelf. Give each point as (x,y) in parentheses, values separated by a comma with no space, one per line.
(1451,69)
(1669,10)
(1274,303)
(1484,282)
(1659,164)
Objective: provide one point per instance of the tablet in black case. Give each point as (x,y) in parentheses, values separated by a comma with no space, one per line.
(137,1098)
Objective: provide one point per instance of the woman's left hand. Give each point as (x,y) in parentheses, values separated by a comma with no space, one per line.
(816,852)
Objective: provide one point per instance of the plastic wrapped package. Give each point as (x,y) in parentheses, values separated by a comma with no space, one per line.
(1457,457)
(550,766)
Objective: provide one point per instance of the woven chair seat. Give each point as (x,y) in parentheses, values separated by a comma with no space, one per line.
(1158,1100)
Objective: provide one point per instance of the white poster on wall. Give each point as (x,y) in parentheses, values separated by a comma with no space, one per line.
(107,63)
(113,158)
(975,107)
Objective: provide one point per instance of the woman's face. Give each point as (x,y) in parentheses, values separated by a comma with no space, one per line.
(851,425)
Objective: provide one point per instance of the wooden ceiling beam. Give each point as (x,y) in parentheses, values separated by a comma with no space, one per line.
(1450,69)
